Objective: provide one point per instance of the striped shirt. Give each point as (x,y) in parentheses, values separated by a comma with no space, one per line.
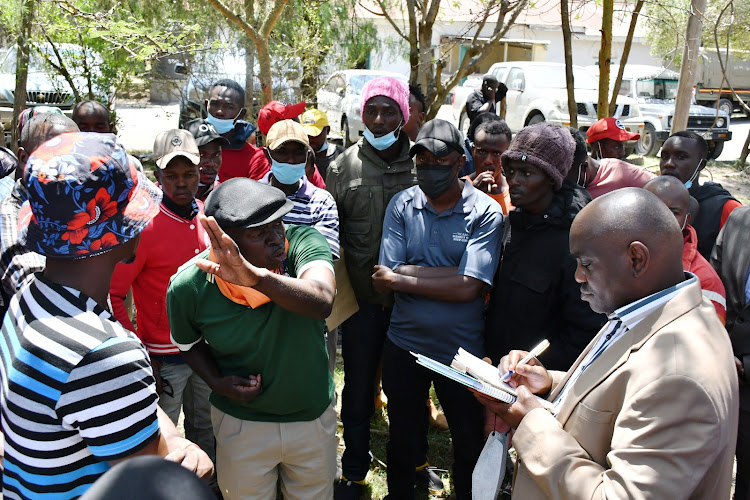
(313,207)
(620,321)
(77,392)
(17,263)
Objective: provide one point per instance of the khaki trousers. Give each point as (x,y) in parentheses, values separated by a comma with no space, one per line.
(251,456)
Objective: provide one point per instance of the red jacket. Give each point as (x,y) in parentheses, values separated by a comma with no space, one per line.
(166,243)
(248,161)
(711,285)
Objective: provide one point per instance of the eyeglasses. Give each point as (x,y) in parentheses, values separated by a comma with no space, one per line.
(484,152)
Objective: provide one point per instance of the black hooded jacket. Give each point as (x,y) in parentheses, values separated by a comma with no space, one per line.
(535,293)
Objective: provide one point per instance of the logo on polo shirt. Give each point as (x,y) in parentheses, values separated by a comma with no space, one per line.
(462,237)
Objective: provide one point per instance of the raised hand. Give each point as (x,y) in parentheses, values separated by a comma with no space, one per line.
(230,265)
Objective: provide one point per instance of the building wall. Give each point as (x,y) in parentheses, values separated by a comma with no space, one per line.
(394,57)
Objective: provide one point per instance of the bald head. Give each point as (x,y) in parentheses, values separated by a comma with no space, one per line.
(39,130)
(628,245)
(92,116)
(673,194)
(44,127)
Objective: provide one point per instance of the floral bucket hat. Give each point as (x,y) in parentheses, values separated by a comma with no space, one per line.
(85,197)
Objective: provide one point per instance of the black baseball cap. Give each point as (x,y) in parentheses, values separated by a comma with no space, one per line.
(204,132)
(439,137)
(242,202)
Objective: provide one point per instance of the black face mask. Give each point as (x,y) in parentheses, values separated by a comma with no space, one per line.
(434,179)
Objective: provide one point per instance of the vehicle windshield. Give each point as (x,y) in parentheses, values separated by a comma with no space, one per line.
(553,77)
(357,82)
(657,88)
(8,62)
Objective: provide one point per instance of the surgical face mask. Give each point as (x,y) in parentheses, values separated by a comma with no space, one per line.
(689,183)
(221,125)
(287,173)
(324,147)
(384,142)
(434,179)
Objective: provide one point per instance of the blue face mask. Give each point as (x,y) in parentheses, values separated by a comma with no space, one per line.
(383,142)
(324,147)
(221,125)
(287,173)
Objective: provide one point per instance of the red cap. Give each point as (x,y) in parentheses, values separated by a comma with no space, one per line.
(275,111)
(609,128)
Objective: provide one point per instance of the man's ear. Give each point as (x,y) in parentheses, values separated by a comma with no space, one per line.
(241,114)
(23,157)
(268,154)
(639,258)
(702,164)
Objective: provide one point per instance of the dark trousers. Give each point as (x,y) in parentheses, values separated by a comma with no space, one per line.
(742,485)
(407,386)
(362,338)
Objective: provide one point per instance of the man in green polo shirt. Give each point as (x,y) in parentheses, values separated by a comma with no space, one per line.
(248,318)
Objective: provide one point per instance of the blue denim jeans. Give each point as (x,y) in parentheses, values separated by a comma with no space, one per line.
(184,389)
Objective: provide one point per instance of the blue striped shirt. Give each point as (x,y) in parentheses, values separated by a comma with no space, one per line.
(314,207)
(77,392)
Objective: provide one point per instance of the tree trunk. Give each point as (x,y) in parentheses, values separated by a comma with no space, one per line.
(605,58)
(569,80)
(249,77)
(22,67)
(265,77)
(745,151)
(689,64)
(625,56)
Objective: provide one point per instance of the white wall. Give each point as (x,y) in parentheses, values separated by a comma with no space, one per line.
(585,47)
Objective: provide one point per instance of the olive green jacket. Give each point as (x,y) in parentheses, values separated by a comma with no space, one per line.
(362,185)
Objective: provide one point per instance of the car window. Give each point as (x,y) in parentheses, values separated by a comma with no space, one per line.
(500,73)
(516,79)
(357,82)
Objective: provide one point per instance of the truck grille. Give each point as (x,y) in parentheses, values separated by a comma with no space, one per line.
(621,111)
(47,97)
(700,122)
(582,108)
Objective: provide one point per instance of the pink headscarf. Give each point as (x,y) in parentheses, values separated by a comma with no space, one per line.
(388,87)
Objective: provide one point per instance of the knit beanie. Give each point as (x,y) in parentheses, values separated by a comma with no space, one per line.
(545,146)
(388,87)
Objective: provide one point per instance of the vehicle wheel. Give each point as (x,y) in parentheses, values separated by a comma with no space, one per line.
(464,123)
(534,119)
(345,132)
(726,106)
(647,145)
(714,149)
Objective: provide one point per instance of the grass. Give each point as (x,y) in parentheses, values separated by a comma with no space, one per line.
(439,456)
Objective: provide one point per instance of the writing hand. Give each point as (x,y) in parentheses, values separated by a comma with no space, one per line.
(533,375)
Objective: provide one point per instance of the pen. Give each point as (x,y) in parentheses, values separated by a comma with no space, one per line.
(539,349)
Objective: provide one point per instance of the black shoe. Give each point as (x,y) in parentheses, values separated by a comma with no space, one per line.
(431,479)
(348,490)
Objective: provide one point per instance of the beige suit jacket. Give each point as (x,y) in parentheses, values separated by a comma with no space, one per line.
(654,417)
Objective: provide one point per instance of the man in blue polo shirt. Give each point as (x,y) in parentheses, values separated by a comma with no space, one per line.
(438,254)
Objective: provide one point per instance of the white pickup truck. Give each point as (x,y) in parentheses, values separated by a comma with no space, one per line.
(655,88)
(537,92)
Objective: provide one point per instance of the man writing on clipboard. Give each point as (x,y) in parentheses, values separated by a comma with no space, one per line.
(649,409)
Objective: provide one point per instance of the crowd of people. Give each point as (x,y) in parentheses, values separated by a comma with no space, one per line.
(222,291)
